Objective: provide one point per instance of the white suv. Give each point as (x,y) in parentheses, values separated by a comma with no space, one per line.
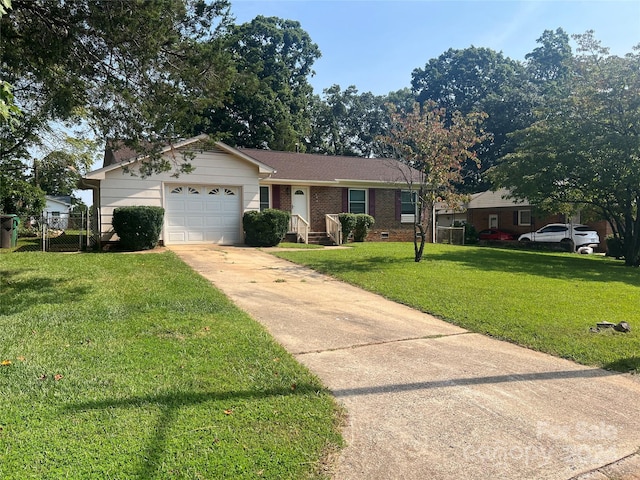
(580,235)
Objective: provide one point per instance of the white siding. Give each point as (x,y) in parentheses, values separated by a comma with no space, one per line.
(120,189)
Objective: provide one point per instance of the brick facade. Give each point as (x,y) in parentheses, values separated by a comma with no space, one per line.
(325,200)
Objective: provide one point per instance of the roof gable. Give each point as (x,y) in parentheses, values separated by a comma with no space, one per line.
(64,200)
(123,157)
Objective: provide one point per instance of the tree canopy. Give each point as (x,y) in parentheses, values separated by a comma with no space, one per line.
(584,147)
(267,105)
(131,70)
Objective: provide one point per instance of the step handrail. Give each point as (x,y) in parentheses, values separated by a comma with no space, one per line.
(334,227)
(300,227)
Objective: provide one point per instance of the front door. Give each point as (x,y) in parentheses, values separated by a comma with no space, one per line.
(300,202)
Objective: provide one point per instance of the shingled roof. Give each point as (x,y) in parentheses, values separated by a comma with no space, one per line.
(313,168)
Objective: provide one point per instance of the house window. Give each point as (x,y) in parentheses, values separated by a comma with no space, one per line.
(493,221)
(408,206)
(524,217)
(357,201)
(264,198)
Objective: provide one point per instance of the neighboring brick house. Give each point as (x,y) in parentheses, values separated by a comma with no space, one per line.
(493,210)
(206,206)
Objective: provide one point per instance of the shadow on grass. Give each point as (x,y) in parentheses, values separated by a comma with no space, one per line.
(170,405)
(19,294)
(631,364)
(557,266)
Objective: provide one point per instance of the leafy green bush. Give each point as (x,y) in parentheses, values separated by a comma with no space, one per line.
(266,228)
(348,222)
(615,247)
(138,227)
(470,234)
(363,223)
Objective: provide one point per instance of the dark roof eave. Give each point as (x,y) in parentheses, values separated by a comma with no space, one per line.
(331,183)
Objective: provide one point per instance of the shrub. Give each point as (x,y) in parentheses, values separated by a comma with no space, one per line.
(363,223)
(615,247)
(138,227)
(266,228)
(470,234)
(348,222)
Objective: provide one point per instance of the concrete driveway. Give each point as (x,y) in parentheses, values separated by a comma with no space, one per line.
(428,400)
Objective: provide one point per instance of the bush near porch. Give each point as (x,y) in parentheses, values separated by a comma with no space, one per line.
(133,366)
(546,301)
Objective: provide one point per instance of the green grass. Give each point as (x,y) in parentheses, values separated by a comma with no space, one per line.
(302,246)
(544,301)
(132,366)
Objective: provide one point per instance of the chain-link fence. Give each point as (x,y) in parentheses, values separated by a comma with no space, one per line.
(451,235)
(56,233)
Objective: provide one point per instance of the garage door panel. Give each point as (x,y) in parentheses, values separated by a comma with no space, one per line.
(173,221)
(213,215)
(213,208)
(194,222)
(177,237)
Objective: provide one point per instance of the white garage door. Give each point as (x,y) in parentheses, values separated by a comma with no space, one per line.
(203,214)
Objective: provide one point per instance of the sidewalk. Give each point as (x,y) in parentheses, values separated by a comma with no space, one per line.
(426,399)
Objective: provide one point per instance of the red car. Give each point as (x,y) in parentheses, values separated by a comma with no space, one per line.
(495,234)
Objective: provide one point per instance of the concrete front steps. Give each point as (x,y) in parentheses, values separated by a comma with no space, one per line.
(315,238)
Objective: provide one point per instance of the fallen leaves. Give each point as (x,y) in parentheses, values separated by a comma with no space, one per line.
(229,411)
(57,377)
(5,363)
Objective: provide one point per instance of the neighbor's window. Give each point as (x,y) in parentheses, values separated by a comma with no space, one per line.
(524,217)
(264,198)
(357,201)
(408,206)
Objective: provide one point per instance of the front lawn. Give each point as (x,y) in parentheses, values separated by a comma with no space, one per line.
(544,301)
(132,366)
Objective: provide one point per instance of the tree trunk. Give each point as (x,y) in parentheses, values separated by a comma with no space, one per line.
(419,230)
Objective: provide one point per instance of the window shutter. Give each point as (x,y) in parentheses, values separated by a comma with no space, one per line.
(398,205)
(515,217)
(345,200)
(275,196)
(372,202)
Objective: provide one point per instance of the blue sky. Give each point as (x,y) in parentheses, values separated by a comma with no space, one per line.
(376,44)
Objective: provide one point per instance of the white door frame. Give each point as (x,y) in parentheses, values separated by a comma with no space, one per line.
(297,207)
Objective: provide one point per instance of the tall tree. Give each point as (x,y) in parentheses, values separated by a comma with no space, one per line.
(549,63)
(478,80)
(132,70)
(434,146)
(268,104)
(58,172)
(584,148)
(346,122)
